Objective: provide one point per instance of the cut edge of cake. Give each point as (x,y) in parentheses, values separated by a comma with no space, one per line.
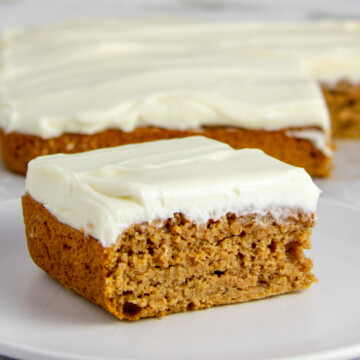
(154,270)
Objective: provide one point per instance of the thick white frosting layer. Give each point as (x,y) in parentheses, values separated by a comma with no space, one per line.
(88,76)
(105,191)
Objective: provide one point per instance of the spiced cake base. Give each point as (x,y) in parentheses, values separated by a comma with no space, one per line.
(18,149)
(343,101)
(175,265)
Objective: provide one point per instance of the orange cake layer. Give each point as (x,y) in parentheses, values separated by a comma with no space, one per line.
(156,268)
(343,101)
(18,149)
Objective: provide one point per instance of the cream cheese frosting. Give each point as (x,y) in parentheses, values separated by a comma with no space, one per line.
(105,191)
(88,76)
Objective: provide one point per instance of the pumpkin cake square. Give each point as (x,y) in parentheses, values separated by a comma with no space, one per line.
(150,229)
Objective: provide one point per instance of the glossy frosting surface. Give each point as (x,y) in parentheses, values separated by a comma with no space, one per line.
(105,191)
(87,76)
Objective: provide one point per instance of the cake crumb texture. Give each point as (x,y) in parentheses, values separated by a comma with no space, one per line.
(343,101)
(175,265)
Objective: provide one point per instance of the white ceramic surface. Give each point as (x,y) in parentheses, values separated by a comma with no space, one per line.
(344,183)
(41,320)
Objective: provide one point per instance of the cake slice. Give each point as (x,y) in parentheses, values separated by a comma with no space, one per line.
(150,229)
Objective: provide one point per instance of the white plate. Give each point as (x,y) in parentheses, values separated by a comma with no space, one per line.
(41,320)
